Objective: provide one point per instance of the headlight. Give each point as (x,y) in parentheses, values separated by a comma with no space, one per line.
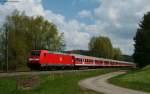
(33,59)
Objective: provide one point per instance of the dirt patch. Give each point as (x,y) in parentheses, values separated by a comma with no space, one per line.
(27,82)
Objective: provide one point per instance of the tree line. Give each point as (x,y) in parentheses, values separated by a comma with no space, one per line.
(102,47)
(22,33)
(142,42)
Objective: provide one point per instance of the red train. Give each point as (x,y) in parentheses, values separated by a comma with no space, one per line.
(44,58)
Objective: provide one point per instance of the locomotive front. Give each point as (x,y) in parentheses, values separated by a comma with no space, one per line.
(34,59)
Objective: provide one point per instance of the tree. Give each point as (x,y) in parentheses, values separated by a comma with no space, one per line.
(117,54)
(26,33)
(101,47)
(2,48)
(142,42)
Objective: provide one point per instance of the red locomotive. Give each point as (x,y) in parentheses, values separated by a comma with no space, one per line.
(44,58)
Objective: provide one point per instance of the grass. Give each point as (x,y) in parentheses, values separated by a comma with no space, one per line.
(88,92)
(137,79)
(62,83)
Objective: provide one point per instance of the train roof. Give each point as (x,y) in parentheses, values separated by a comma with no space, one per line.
(84,56)
(96,58)
(89,57)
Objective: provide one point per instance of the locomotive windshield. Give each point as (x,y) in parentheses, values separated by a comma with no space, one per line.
(35,53)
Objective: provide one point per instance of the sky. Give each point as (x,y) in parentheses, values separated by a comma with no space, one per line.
(80,20)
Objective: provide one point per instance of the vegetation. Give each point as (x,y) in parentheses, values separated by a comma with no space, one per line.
(142,42)
(127,58)
(54,83)
(102,47)
(138,79)
(24,33)
(117,54)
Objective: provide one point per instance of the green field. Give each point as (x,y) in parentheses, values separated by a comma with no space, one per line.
(62,83)
(139,80)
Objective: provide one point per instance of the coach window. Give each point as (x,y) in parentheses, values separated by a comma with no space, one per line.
(80,60)
(96,61)
(77,59)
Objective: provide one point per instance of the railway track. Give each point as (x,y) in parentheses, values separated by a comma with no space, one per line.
(4,74)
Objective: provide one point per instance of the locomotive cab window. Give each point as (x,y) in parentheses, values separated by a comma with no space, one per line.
(35,53)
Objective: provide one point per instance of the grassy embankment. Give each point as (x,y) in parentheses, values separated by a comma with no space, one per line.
(62,83)
(138,80)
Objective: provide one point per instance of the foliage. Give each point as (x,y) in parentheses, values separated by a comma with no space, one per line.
(26,33)
(117,55)
(142,42)
(102,47)
(146,68)
(2,49)
(127,58)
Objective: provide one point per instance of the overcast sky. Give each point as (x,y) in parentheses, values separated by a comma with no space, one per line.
(82,19)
